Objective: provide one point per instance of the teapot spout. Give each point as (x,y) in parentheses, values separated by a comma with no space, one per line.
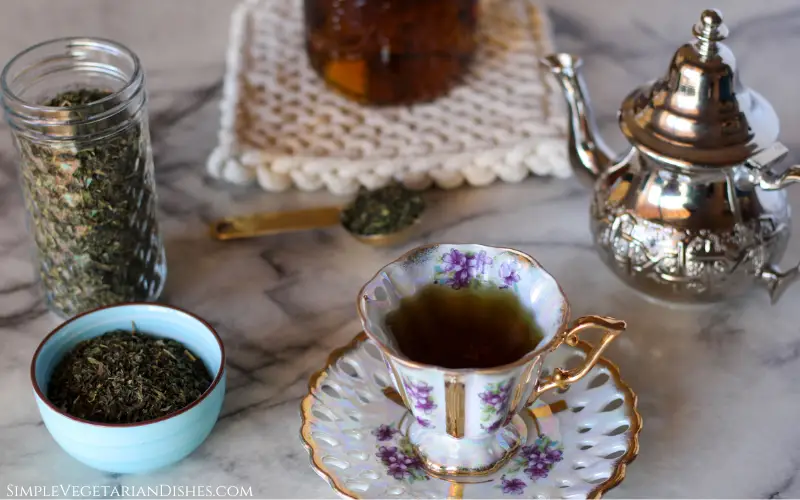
(588,154)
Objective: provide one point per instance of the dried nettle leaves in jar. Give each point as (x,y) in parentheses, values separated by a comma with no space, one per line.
(77,111)
(92,209)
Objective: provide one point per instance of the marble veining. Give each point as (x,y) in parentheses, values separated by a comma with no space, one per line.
(719,386)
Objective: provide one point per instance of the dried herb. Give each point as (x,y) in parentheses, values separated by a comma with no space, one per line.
(90,196)
(383,211)
(123,377)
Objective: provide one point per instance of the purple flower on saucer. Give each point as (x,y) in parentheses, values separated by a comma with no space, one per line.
(399,465)
(387,453)
(513,486)
(554,456)
(540,457)
(384,432)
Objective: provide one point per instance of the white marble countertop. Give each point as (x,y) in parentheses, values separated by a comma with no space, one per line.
(718,386)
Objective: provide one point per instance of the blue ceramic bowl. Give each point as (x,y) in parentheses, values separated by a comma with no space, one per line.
(145,446)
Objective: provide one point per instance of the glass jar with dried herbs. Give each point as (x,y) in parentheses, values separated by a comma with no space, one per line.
(77,112)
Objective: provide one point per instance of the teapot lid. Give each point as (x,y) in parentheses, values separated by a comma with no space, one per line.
(699,113)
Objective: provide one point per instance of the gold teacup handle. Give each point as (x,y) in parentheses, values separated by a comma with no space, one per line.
(561,378)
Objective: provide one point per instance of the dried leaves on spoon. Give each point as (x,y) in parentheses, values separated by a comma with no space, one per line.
(123,377)
(383,211)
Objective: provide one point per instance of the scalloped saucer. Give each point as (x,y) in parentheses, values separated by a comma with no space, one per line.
(579,440)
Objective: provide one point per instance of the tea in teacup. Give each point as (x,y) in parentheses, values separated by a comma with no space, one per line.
(472,328)
(464,331)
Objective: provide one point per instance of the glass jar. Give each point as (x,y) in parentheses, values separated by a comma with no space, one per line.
(77,112)
(391,51)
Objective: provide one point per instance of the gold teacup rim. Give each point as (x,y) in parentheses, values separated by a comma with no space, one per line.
(557,339)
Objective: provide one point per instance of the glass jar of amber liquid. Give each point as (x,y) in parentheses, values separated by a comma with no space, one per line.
(389,52)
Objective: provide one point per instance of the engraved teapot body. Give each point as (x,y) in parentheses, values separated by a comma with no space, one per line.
(693,211)
(690,235)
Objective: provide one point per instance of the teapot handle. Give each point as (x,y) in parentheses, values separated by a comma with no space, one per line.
(769,181)
(775,280)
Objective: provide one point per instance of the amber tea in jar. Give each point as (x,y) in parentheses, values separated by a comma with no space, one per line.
(385,52)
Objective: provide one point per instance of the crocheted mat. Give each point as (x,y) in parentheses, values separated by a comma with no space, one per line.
(282,127)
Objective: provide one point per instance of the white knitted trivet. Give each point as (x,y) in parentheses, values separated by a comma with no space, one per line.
(282,127)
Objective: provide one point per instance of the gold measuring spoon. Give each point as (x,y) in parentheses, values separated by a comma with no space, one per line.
(268,223)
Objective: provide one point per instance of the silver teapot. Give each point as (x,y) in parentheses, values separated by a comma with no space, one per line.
(694,211)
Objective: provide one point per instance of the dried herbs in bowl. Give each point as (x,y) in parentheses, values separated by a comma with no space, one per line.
(125,377)
(129,399)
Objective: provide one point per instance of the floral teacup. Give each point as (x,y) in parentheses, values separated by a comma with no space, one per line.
(464,422)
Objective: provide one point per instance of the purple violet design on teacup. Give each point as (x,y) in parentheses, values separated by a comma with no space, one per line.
(454,260)
(462,269)
(456,263)
(509,275)
(420,394)
(424,423)
(495,400)
(401,462)
(476,263)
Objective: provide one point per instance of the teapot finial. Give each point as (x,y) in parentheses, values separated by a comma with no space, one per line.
(700,114)
(709,31)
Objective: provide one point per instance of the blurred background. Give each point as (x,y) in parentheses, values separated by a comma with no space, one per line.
(182,42)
